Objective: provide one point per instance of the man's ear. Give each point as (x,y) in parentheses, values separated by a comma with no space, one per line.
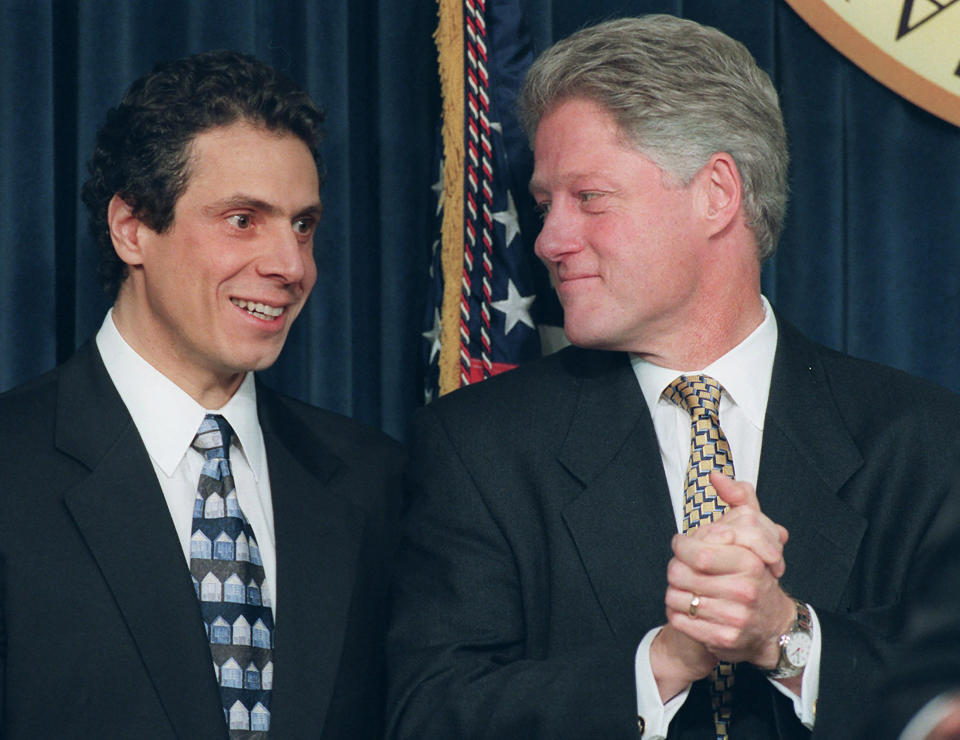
(722,191)
(125,231)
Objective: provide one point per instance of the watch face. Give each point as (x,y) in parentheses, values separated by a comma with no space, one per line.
(797,649)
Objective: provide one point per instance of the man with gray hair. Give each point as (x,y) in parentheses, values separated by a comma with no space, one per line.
(691,453)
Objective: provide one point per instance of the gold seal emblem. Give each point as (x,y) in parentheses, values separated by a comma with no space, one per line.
(911,46)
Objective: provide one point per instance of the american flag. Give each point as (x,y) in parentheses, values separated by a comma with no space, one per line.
(488,292)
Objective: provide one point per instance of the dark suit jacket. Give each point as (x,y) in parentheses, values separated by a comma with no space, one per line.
(538,538)
(101,628)
(928,665)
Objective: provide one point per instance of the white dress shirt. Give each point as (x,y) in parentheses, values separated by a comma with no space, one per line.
(167,419)
(744,372)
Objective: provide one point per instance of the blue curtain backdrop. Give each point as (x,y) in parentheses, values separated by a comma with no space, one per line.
(869,262)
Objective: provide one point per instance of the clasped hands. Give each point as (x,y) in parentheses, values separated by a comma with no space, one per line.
(733,565)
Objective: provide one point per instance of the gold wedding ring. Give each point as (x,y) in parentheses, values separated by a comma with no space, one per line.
(694,603)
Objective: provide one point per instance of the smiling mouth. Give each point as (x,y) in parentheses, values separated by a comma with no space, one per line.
(573,278)
(260,310)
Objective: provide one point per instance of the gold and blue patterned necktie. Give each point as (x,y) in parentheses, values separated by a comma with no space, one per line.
(699,396)
(229,580)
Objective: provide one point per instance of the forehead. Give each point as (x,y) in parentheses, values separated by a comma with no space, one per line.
(578,137)
(569,115)
(247,154)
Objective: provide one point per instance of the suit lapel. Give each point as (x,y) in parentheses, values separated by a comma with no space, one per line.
(622,520)
(121,514)
(807,456)
(318,534)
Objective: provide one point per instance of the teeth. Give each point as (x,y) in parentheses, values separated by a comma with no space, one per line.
(260,310)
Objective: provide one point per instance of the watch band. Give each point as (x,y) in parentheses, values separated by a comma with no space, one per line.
(802,624)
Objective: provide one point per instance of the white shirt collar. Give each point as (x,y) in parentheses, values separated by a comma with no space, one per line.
(744,371)
(166,417)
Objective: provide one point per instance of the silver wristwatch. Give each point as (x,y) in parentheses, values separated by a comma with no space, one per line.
(795,646)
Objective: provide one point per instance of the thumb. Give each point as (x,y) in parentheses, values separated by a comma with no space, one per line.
(734,493)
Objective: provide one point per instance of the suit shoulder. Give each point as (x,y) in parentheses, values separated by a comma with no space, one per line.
(347,437)
(29,403)
(859,387)
(532,385)
(30,390)
(866,380)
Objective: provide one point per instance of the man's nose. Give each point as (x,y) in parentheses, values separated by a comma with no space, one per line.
(558,236)
(286,256)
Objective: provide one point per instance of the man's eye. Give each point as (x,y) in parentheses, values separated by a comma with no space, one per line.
(587,196)
(542,209)
(240,220)
(303,225)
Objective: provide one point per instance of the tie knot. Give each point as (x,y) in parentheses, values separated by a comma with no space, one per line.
(213,437)
(695,393)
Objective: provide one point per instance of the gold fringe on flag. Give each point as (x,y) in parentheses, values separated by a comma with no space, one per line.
(449,41)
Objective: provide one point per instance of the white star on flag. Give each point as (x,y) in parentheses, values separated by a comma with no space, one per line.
(433,336)
(509,219)
(515,308)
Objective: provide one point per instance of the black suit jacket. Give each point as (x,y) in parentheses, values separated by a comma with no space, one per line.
(101,628)
(538,538)
(928,665)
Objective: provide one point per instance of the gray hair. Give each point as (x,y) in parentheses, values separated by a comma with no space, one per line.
(679,92)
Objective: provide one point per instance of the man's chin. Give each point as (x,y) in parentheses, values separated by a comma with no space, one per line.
(255,361)
(587,337)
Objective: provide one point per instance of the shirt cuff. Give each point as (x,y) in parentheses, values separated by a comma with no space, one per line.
(805,706)
(932,713)
(655,716)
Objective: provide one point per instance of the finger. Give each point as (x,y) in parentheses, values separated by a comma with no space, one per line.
(704,558)
(744,518)
(694,605)
(714,636)
(738,494)
(753,531)
(783,534)
(716,535)
(770,552)
(734,493)
(728,595)
(728,629)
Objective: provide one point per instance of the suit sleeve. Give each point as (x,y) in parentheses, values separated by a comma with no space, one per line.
(927,664)
(3,644)
(884,662)
(460,661)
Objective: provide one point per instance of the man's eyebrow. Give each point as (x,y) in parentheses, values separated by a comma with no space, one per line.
(257,204)
(314,210)
(594,176)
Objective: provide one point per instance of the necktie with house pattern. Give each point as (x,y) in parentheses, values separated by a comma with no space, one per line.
(229,580)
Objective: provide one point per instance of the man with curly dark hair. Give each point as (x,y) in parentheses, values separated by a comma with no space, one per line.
(159,504)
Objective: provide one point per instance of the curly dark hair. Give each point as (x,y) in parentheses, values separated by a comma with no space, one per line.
(142,151)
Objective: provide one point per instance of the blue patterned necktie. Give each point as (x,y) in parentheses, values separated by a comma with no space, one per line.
(229,580)
(699,396)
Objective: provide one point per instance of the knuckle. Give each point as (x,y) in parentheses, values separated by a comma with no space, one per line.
(674,570)
(739,620)
(746,592)
(727,639)
(704,559)
(755,568)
